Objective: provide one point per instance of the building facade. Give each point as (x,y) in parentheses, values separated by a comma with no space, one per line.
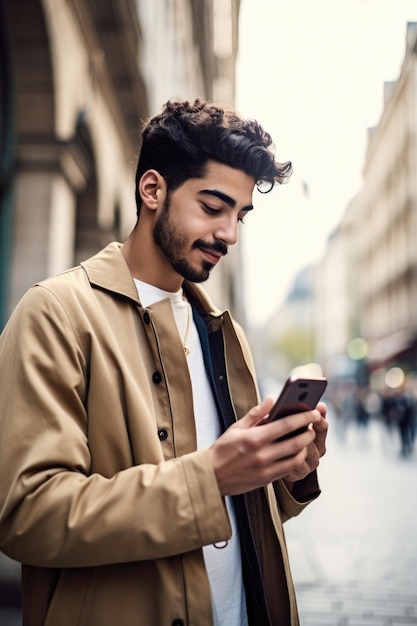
(77,94)
(388,229)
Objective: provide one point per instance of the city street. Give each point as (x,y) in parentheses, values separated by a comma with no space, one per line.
(354,551)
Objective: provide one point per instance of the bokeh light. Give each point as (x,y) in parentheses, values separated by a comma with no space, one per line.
(356,348)
(394,378)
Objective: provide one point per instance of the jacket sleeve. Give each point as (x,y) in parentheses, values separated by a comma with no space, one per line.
(53,511)
(303,493)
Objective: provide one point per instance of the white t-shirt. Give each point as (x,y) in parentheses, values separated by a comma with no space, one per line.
(224,566)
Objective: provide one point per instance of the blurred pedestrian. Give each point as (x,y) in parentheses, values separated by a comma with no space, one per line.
(136,486)
(399,409)
(362,413)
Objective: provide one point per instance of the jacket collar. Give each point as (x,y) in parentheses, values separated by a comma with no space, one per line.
(108,270)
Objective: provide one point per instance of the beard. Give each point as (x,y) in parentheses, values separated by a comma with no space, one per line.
(173,242)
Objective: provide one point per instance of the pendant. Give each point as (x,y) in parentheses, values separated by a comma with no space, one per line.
(186,351)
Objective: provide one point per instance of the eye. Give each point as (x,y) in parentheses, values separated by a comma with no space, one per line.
(210,210)
(242,216)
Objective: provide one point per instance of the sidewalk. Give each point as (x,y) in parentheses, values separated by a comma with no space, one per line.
(354,551)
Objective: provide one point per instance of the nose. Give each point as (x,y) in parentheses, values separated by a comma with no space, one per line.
(227,230)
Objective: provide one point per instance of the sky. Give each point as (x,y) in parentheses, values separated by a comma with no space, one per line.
(312,72)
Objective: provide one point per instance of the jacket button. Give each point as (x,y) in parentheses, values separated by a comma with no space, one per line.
(177,622)
(162,434)
(156,377)
(146,317)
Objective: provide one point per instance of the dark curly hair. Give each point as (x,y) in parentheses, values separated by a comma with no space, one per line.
(179,141)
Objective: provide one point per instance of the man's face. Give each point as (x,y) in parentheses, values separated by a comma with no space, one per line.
(199,220)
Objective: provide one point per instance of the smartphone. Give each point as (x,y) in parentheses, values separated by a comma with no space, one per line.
(298,395)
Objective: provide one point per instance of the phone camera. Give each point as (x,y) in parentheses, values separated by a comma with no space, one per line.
(303,396)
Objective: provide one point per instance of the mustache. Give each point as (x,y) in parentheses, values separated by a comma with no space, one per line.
(217,246)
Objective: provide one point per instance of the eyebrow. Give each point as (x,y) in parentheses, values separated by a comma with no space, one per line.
(224,198)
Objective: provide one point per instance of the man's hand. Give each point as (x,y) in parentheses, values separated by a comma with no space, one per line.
(249,454)
(315,450)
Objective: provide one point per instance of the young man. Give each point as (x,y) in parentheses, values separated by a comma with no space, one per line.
(137,485)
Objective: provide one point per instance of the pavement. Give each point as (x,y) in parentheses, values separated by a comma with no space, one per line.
(354,550)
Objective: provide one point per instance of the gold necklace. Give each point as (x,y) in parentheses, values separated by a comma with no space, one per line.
(187,329)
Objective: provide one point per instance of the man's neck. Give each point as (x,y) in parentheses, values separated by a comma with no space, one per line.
(148,264)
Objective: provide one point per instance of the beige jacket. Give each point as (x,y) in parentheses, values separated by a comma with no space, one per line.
(103,496)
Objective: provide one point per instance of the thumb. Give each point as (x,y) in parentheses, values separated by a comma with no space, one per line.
(257,413)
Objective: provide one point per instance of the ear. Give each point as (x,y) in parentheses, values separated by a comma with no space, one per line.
(152,189)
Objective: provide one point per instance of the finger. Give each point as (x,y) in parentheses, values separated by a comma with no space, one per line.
(321,429)
(257,413)
(289,448)
(291,423)
(322,408)
(321,426)
(294,465)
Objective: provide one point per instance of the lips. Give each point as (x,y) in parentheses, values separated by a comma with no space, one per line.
(211,255)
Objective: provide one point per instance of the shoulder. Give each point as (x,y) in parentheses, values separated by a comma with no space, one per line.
(46,306)
(58,295)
